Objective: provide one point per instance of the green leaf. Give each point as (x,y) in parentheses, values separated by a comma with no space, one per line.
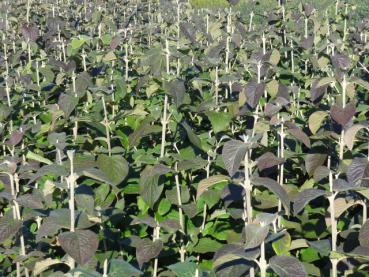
(164,206)
(176,88)
(121,268)
(82,272)
(206,245)
(77,43)
(209,182)
(255,235)
(110,56)
(84,197)
(33,156)
(67,104)
(361,82)
(114,167)
(219,120)
(44,264)
(275,188)
(194,139)
(350,134)
(282,245)
(135,137)
(150,189)
(325,81)
(184,269)
(275,57)
(309,255)
(231,252)
(323,246)
(315,120)
(304,197)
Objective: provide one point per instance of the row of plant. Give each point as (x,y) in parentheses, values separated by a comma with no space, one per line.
(146,138)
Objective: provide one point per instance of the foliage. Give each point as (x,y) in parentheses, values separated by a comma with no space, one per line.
(148,138)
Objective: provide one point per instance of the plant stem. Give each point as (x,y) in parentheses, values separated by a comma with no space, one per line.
(126,60)
(84,59)
(164,126)
(204,214)
(14,184)
(250,24)
(28,9)
(29,51)
(345,23)
(106,124)
(71,181)
(247,199)
(227,55)
(180,211)
(341,142)
(292,58)
(262,261)
(331,199)
(281,172)
(258,66)
(248,189)
(216,86)
(164,122)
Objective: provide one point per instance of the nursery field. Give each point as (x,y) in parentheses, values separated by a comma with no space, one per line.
(157,138)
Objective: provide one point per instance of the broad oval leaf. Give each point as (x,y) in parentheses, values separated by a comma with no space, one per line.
(351,132)
(358,170)
(253,93)
(233,153)
(81,245)
(209,182)
(31,200)
(275,188)
(115,167)
(184,269)
(282,245)
(67,104)
(343,115)
(287,266)
(8,227)
(148,250)
(231,252)
(255,235)
(364,234)
(150,189)
(121,268)
(340,61)
(15,138)
(30,32)
(313,161)
(176,88)
(300,136)
(268,160)
(219,120)
(315,121)
(343,185)
(193,138)
(304,197)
